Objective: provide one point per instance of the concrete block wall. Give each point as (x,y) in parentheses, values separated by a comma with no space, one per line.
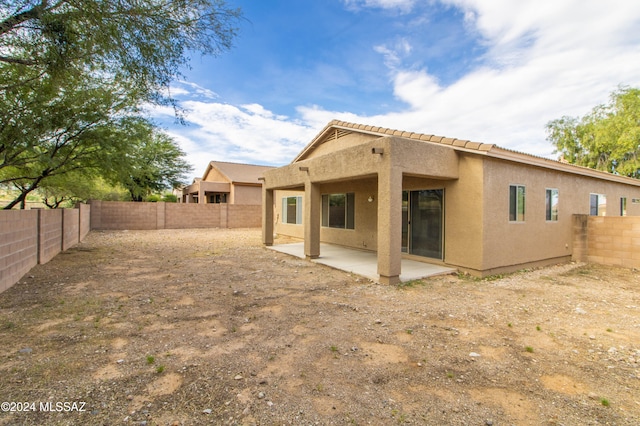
(70,228)
(244,216)
(29,237)
(85,220)
(18,245)
(106,215)
(114,215)
(184,215)
(613,240)
(49,234)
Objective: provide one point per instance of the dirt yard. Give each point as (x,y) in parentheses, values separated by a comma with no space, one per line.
(208,327)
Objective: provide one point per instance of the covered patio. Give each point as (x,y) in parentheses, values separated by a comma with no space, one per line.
(360,262)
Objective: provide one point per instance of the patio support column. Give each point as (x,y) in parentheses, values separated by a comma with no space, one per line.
(311,220)
(389,225)
(267,216)
(201,199)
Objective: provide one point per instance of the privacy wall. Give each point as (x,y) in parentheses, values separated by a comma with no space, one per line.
(117,215)
(608,240)
(31,237)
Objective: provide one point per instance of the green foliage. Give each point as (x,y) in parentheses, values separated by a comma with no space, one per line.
(153,162)
(142,44)
(73,75)
(606,139)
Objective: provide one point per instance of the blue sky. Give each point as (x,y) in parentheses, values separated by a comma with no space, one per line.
(493,71)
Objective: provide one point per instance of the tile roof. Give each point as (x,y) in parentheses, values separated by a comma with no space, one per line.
(491,150)
(383,131)
(237,172)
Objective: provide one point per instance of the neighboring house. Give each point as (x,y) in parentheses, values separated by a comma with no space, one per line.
(225,182)
(474,206)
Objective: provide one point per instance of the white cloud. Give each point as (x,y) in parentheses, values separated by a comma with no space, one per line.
(394,55)
(403,6)
(247,134)
(544,60)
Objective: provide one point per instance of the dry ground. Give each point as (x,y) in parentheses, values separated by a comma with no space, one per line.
(208,327)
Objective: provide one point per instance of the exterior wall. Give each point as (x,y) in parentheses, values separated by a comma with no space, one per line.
(291,230)
(29,237)
(478,236)
(246,194)
(347,141)
(106,215)
(613,241)
(248,216)
(85,220)
(184,216)
(214,175)
(18,245)
(365,235)
(116,215)
(50,234)
(463,213)
(509,245)
(70,228)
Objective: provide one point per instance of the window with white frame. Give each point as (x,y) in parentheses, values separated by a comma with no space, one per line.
(623,206)
(292,210)
(338,210)
(551,205)
(597,205)
(516,203)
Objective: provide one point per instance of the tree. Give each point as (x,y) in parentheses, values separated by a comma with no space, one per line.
(74,187)
(142,44)
(69,129)
(606,139)
(73,72)
(153,162)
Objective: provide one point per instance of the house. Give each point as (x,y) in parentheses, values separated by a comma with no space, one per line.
(473,206)
(225,182)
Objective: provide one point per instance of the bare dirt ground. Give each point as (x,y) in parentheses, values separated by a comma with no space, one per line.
(208,327)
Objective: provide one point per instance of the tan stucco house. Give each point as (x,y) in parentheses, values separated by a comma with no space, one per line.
(474,206)
(225,182)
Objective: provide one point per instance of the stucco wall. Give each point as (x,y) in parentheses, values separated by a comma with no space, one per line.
(478,236)
(245,194)
(509,245)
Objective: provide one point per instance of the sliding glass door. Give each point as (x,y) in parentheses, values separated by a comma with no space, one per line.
(423,222)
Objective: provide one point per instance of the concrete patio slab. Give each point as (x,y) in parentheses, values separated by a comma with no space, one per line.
(364,263)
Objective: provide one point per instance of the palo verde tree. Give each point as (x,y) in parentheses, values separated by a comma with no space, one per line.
(607,139)
(73,71)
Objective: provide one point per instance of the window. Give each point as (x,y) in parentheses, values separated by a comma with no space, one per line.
(551,205)
(338,210)
(292,210)
(623,206)
(598,205)
(516,203)
(218,198)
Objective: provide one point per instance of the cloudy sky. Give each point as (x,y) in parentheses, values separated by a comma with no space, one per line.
(493,71)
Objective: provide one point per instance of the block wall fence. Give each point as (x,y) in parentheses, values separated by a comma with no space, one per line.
(114,215)
(32,237)
(608,240)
